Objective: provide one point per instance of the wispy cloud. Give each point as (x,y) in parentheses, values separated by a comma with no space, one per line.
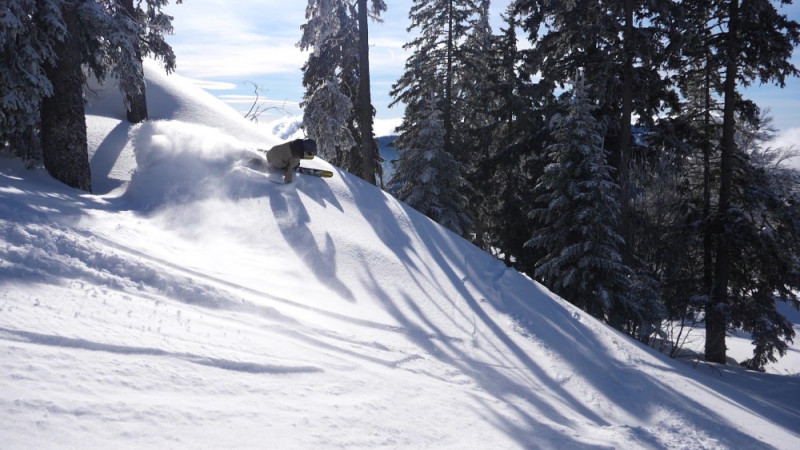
(215,38)
(213,85)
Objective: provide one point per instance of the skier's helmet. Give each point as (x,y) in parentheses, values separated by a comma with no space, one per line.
(309,149)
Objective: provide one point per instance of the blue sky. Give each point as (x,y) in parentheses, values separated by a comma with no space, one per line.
(224,46)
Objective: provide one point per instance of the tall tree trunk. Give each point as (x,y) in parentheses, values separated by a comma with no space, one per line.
(708,236)
(137,101)
(716,315)
(63,122)
(625,138)
(365,97)
(447,110)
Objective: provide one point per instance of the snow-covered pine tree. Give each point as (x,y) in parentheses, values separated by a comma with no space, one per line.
(764,261)
(428,178)
(513,155)
(751,41)
(474,105)
(619,44)
(578,221)
(46,68)
(326,116)
(62,119)
(148,25)
(24,51)
(432,73)
(332,33)
(434,63)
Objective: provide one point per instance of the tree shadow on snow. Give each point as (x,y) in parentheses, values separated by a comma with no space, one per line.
(219,363)
(22,202)
(568,335)
(293,221)
(526,386)
(102,161)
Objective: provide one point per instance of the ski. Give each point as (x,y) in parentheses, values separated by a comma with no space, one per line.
(315,172)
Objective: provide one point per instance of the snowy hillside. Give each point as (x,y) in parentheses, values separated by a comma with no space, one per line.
(193,303)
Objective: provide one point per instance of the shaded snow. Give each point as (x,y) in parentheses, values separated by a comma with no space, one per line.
(192,302)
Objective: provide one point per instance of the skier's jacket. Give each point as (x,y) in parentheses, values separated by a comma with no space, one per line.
(286,156)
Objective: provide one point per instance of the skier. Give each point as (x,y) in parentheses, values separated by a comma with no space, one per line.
(287,156)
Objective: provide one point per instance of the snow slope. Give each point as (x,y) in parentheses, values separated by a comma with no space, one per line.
(193,303)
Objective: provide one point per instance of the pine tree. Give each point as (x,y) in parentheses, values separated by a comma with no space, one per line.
(619,46)
(62,119)
(334,32)
(473,99)
(498,138)
(578,221)
(474,102)
(326,118)
(432,73)
(764,261)
(365,110)
(429,178)
(24,52)
(752,42)
(676,182)
(434,63)
(147,24)
(47,63)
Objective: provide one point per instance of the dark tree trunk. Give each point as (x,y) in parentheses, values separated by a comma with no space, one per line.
(137,105)
(137,101)
(63,122)
(708,236)
(364,96)
(716,315)
(447,109)
(625,137)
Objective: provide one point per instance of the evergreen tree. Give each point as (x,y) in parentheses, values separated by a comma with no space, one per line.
(578,221)
(148,24)
(429,178)
(619,46)
(752,41)
(62,119)
(365,110)
(326,117)
(500,134)
(334,33)
(59,41)
(474,103)
(434,63)
(473,97)
(764,261)
(676,181)
(24,51)
(432,74)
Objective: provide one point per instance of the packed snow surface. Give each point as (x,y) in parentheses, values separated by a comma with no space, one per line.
(193,302)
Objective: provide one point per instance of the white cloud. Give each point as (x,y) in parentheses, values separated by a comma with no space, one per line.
(243,59)
(386,127)
(213,85)
(787,139)
(215,38)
